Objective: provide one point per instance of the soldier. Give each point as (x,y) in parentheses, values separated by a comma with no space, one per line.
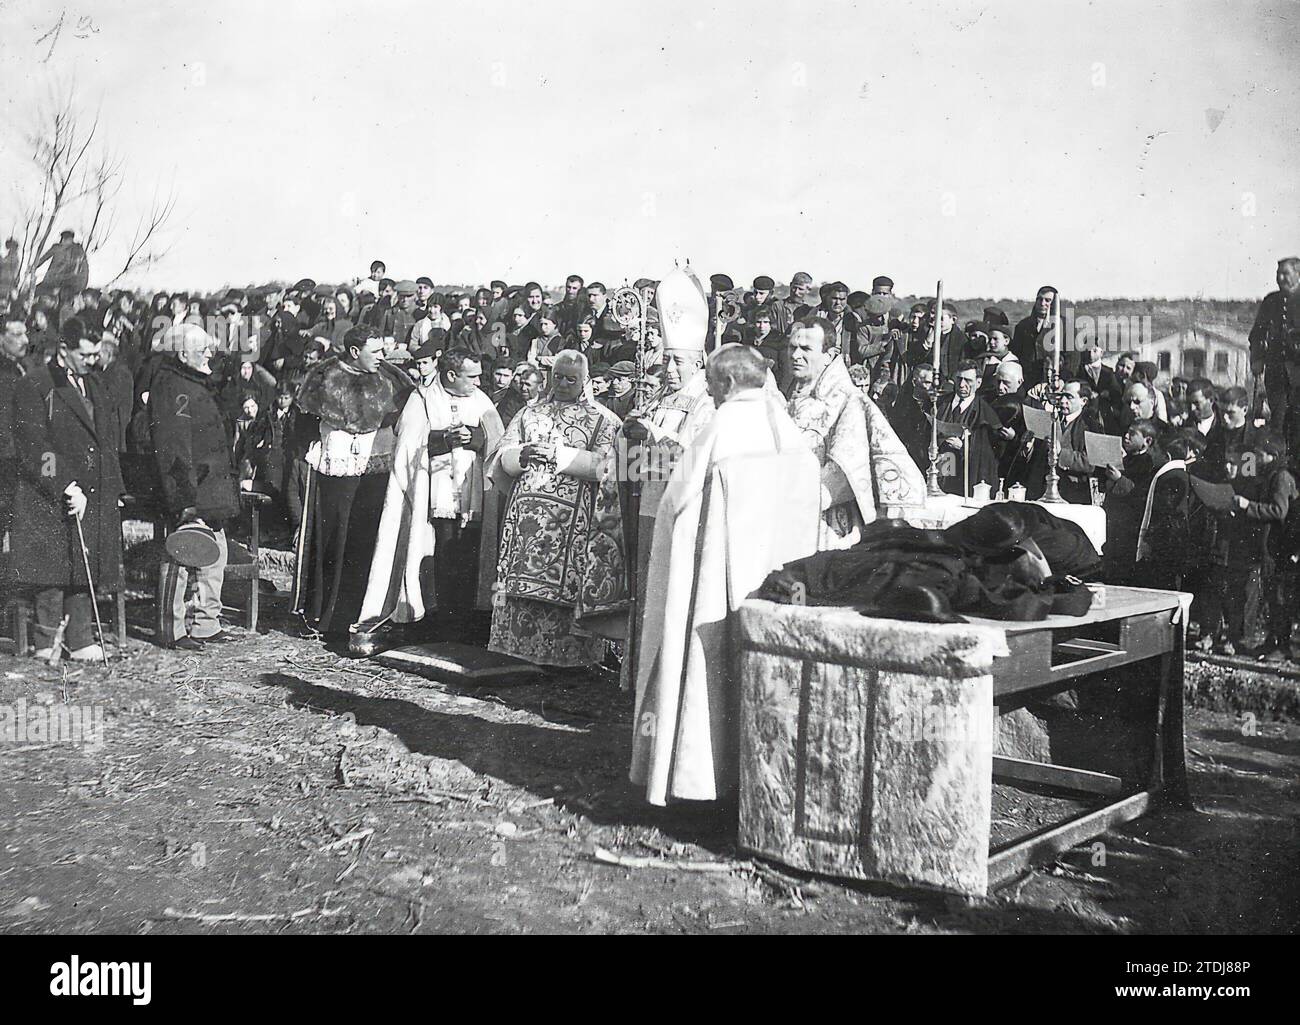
(1275,352)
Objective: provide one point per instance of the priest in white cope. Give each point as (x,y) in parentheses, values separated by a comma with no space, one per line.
(437,535)
(743,500)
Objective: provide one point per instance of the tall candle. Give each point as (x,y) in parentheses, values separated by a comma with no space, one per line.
(1056,349)
(938,329)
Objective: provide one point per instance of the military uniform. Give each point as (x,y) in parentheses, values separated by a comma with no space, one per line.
(1275,342)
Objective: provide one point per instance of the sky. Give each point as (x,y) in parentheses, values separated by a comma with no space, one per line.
(1113,148)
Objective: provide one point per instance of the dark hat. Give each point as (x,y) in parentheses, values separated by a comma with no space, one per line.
(193,545)
(304,285)
(422,280)
(994,316)
(497,283)
(882,281)
(857,298)
(641,283)
(764,283)
(599,370)
(721,283)
(919,308)
(66,233)
(233,295)
(623,368)
(324,291)
(430,349)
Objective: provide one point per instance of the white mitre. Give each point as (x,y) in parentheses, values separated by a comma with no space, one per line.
(683,310)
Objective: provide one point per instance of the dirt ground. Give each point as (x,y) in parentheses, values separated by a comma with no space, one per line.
(269,785)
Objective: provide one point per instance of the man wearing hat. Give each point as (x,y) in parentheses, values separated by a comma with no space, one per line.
(437,546)
(69,269)
(397,321)
(197,474)
(1275,353)
(499,309)
(720,287)
(621,394)
(787,310)
(67,469)
(423,292)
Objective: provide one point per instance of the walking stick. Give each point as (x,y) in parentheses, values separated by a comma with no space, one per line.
(94,606)
(299,570)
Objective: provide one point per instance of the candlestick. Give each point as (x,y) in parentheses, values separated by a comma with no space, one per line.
(932,488)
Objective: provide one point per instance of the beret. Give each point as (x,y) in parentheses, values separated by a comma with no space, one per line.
(764,283)
(857,298)
(498,283)
(429,350)
(721,283)
(422,280)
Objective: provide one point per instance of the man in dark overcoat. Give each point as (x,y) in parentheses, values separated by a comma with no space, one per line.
(65,449)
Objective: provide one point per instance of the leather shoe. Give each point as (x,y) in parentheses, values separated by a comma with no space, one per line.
(185,644)
(220,637)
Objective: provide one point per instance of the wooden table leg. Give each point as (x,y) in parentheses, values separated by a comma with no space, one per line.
(1172,752)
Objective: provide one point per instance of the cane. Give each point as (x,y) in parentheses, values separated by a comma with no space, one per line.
(94,607)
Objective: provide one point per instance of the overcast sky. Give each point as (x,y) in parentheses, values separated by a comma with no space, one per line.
(1114,148)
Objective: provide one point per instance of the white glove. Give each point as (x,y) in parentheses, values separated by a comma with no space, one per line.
(76,500)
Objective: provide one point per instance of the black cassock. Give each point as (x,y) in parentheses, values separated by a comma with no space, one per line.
(983,424)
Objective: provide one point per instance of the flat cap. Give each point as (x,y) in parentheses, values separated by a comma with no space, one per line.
(882,282)
(406,287)
(623,368)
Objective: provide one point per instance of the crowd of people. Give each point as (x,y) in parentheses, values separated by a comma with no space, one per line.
(353,407)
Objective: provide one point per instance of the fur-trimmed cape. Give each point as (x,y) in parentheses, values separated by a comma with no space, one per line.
(347,399)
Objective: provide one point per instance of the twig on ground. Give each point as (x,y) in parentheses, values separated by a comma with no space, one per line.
(343,841)
(623,861)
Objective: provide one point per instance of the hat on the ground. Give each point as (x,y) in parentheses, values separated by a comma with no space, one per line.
(193,545)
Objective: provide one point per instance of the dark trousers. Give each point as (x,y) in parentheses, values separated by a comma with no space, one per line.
(293,491)
(1283,593)
(1240,600)
(455,564)
(52,604)
(1282,386)
(346,523)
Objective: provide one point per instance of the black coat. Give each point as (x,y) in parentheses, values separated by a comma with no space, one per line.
(58,441)
(195,465)
(11,372)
